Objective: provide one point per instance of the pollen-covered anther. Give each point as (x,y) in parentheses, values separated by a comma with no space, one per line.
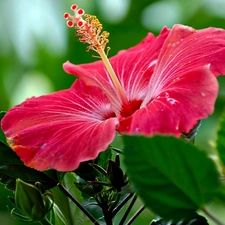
(97,38)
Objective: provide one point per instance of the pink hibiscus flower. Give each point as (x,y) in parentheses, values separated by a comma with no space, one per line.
(164,85)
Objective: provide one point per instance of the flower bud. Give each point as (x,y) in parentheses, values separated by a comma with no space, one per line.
(31,202)
(115,174)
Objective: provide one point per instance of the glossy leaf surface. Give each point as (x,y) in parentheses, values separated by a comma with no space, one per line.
(172,177)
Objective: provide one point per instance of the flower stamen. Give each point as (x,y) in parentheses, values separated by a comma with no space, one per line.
(90,32)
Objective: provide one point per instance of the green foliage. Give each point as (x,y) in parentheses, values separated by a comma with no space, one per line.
(87,172)
(172,177)
(128,31)
(103,158)
(11,168)
(91,171)
(2,136)
(115,174)
(197,220)
(220,141)
(66,212)
(32,203)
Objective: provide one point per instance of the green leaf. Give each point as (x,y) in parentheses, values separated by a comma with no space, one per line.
(103,158)
(87,172)
(20,217)
(197,220)
(60,175)
(65,210)
(220,197)
(2,136)
(11,168)
(115,174)
(2,114)
(172,177)
(220,141)
(74,211)
(56,216)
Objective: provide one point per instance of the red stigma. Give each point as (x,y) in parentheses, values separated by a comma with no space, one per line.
(74,7)
(66,15)
(70,23)
(80,23)
(80,12)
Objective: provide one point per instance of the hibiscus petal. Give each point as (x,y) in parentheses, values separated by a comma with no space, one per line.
(60,130)
(133,67)
(95,74)
(178,108)
(186,49)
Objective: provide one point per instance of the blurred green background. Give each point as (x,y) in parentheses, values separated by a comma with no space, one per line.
(35,42)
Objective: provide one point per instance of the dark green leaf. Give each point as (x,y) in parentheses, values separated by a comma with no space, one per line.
(87,190)
(220,142)
(9,183)
(221,194)
(12,200)
(103,158)
(2,114)
(60,175)
(2,136)
(172,177)
(11,168)
(53,174)
(86,172)
(197,220)
(115,174)
(20,217)
(7,156)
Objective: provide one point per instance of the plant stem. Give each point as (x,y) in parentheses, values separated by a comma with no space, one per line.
(107,214)
(121,205)
(212,217)
(45,221)
(78,204)
(128,210)
(135,215)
